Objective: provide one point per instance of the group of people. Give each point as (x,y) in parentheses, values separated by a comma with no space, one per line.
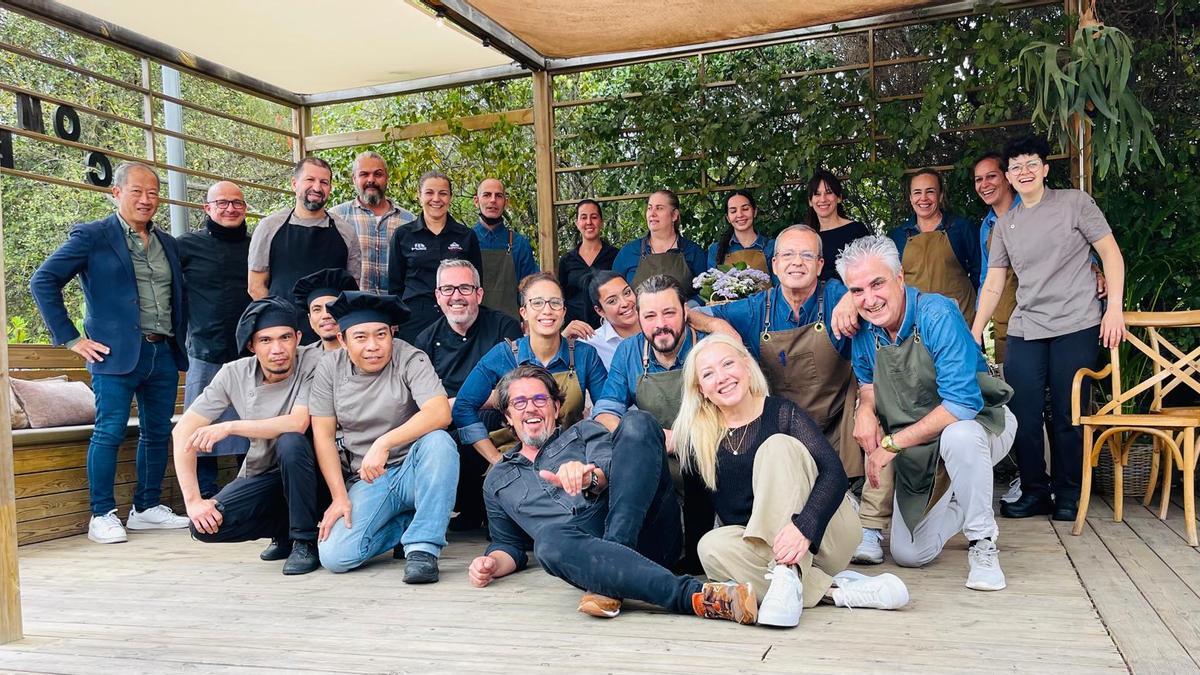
(387,378)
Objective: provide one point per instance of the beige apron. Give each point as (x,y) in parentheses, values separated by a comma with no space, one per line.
(571,410)
(499,278)
(660,395)
(670,263)
(754,258)
(930,265)
(802,366)
(1004,309)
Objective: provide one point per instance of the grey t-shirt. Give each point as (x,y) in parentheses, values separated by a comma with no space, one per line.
(240,384)
(368,405)
(1048,247)
(259,259)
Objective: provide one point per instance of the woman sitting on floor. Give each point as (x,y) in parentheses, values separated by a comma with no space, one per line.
(777,487)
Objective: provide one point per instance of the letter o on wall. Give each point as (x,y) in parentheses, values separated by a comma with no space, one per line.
(66,123)
(100,170)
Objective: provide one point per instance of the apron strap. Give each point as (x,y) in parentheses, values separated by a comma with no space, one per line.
(766,328)
(510,241)
(571,355)
(916,324)
(513,346)
(645,357)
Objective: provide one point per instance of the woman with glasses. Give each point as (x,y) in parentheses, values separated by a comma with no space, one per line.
(575,366)
(827,215)
(576,267)
(939,251)
(740,241)
(1058,323)
(663,250)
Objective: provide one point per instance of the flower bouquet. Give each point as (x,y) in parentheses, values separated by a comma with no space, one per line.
(725,283)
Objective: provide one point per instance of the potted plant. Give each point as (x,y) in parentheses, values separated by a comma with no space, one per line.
(725,283)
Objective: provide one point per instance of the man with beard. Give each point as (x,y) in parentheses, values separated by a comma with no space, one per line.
(507,255)
(313,294)
(374,216)
(213,261)
(596,508)
(455,343)
(295,242)
(276,493)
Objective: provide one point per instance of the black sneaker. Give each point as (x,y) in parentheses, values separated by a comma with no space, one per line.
(277,550)
(1030,504)
(420,568)
(1065,508)
(304,558)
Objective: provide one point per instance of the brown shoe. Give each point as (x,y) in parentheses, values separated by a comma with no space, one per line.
(599,606)
(727,600)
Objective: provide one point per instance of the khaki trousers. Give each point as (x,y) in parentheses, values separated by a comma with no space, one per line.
(875,507)
(784,473)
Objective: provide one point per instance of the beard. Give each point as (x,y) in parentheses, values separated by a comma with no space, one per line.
(467,319)
(675,337)
(371,194)
(315,201)
(536,440)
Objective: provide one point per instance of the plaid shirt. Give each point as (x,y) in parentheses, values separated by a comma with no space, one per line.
(374,235)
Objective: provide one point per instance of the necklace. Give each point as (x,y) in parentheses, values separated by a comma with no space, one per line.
(737,448)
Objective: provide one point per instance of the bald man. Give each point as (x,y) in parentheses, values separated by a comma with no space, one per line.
(213,260)
(507,255)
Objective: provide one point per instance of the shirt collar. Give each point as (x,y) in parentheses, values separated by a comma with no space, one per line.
(760,243)
(910,226)
(607,333)
(809,306)
(525,353)
(129,228)
(991,214)
(906,324)
(392,208)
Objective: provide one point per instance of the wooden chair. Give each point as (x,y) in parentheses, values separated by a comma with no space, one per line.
(1173,430)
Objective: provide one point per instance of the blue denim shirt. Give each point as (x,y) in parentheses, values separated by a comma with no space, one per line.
(626,368)
(498,361)
(497,240)
(520,504)
(964,241)
(944,332)
(985,229)
(746,316)
(630,256)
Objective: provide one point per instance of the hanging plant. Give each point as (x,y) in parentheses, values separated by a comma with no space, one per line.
(1090,80)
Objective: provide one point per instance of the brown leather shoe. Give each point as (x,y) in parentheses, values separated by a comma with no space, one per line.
(727,600)
(599,606)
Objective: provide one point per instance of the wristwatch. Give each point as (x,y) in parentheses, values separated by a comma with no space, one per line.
(591,489)
(888,443)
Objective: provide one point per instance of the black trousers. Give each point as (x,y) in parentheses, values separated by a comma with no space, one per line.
(284,504)
(1033,367)
(623,551)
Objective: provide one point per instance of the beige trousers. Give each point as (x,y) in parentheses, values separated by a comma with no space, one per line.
(784,473)
(875,507)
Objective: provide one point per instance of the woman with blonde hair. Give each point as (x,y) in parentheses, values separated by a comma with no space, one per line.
(777,487)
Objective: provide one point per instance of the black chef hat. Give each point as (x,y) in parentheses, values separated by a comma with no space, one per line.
(326,282)
(355,307)
(268,312)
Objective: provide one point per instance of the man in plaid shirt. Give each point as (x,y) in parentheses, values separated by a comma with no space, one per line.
(374,216)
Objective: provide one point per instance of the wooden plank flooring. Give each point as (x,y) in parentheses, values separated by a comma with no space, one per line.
(165,604)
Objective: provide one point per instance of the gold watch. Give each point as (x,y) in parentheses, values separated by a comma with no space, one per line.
(888,443)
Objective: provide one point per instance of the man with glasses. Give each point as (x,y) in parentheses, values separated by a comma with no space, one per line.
(507,255)
(455,343)
(214,262)
(374,216)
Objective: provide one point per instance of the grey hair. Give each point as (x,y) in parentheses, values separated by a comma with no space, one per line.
(454,263)
(366,154)
(801,227)
(872,246)
(121,175)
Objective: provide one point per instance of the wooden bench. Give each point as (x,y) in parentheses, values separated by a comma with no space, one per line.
(50,465)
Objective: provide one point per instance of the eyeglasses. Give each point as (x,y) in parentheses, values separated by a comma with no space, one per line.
(464,289)
(536,304)
(521,402)
(806,256)
(236,204)
(1031,166)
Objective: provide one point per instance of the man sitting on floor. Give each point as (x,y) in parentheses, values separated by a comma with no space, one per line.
(276,493)
(378,413)
(598,509)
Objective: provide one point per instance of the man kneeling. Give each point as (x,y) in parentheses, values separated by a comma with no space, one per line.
(598,509)
(276,493)
(378,412)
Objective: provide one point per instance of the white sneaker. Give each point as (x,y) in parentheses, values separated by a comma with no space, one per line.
(985,574)
(1014,491)
(106,529)
(856,590)
(784,600)
(870,549)
(160,517)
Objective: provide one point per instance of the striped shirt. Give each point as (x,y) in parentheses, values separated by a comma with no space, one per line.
(374,235)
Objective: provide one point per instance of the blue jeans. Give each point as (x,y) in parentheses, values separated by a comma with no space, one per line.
(155,383)
(200,373)
(409,504)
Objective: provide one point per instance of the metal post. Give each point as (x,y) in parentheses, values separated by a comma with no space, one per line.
(173,121)
(10,580)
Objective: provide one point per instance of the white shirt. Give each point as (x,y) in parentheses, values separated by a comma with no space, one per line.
(605,342)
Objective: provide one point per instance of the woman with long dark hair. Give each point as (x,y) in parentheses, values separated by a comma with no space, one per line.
(741,242)
(576,267)
(827,215)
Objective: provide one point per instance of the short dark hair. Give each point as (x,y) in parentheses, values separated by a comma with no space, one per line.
(315,161)
(430,175)
(599,278)
(1029,144)
(527,372)
(659,283)
(834,184)
(584,202)
(529,280)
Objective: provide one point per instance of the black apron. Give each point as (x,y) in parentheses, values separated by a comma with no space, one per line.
(298,251)
(499,279)
(671,263)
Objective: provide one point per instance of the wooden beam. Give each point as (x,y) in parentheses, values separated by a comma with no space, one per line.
(10,580)
(521,117)
(543,143)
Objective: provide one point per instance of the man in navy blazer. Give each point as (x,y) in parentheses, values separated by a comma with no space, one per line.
(135,325)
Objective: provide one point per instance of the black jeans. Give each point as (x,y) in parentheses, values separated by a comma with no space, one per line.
(283,504)
(1032,367)
(622,551)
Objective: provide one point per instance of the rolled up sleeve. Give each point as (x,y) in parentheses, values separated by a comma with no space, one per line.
(475,391)
(956,359)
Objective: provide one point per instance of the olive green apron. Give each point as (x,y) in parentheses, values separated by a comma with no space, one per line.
(754,258)
(802,365)
(931,266)
(905,391)
(670,263)
(499,278)
(660,394)
(1004,309)
(569,413)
